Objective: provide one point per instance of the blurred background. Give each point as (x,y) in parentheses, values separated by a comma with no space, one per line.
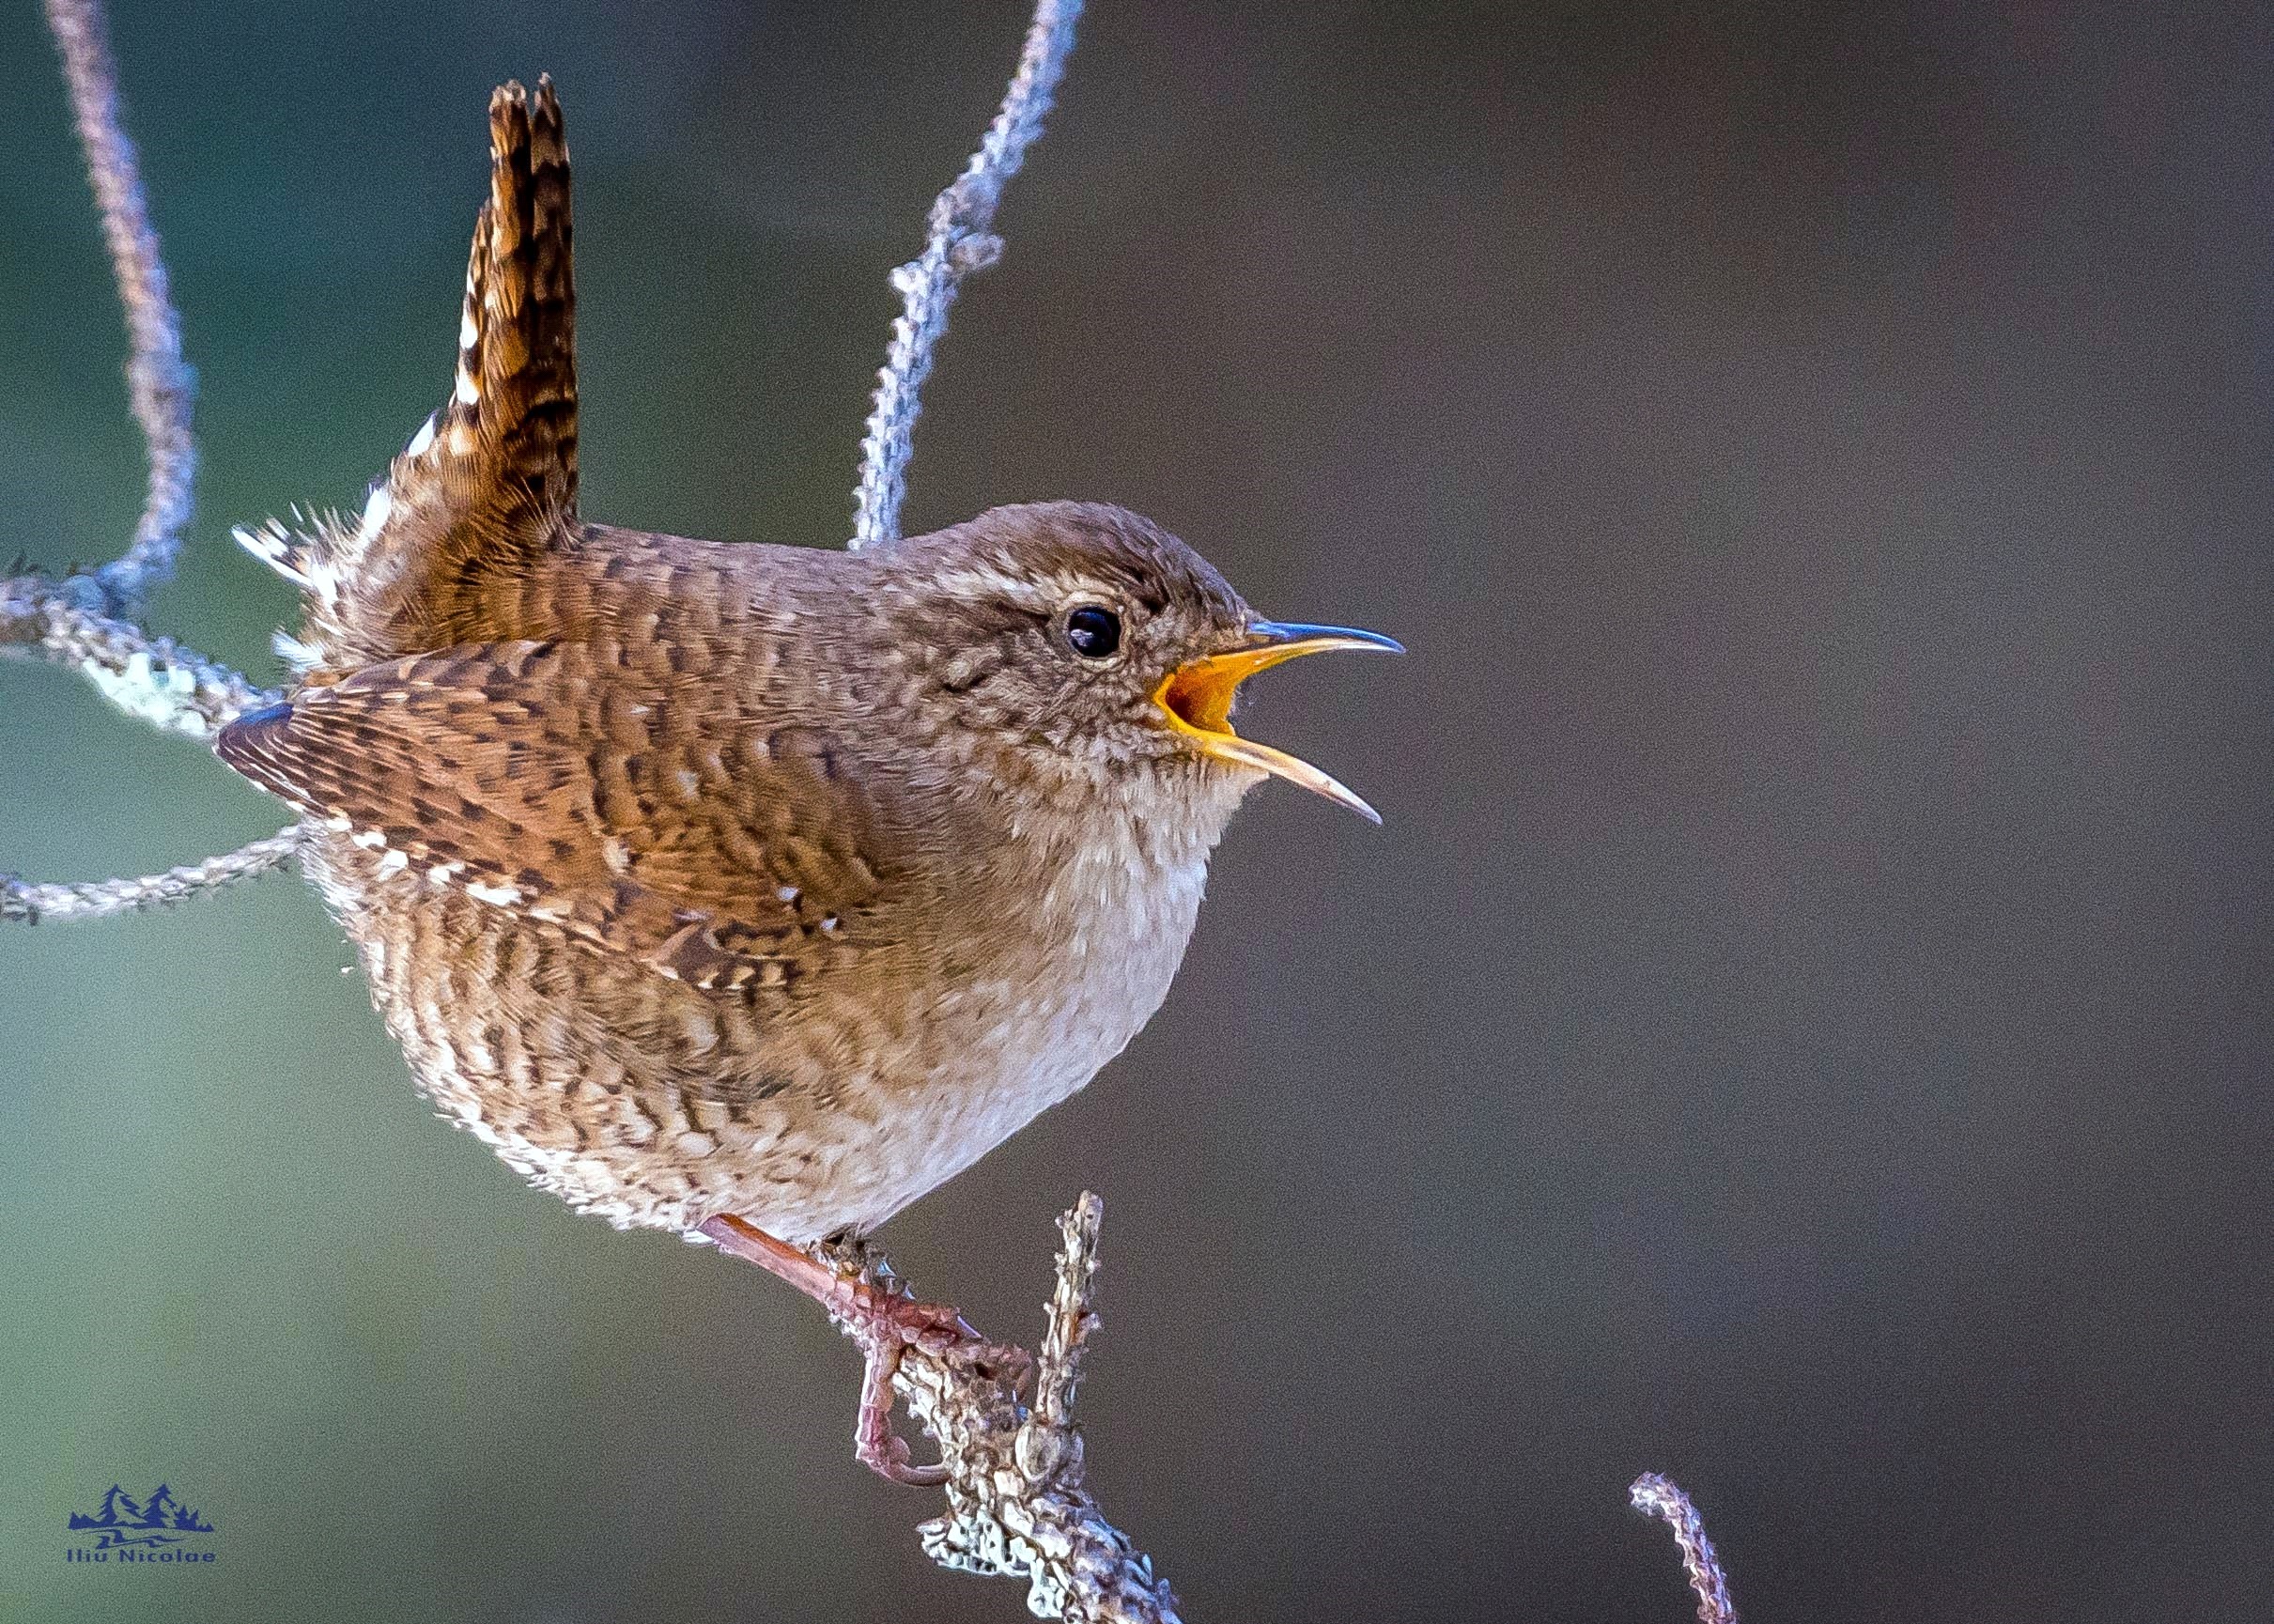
(1803,1028)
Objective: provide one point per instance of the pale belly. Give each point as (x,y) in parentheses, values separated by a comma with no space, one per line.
(647,1103)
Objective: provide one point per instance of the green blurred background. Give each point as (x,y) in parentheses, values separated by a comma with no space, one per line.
(1803,1026)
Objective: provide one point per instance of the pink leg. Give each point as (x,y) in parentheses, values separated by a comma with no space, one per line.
(885,1324)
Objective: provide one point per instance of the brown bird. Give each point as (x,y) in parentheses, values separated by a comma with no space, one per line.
(726,887)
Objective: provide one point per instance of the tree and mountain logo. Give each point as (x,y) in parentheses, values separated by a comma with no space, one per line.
(159,1529)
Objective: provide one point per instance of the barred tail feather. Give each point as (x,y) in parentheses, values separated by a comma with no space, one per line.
(513,405)
(490,481)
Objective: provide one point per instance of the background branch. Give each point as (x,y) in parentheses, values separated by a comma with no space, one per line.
(961,241)
(158,381)
(1663,1498)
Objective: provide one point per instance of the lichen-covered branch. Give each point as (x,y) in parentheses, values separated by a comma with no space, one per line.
(1663,1498)
(960,239)
(155,678)
(1018,1505)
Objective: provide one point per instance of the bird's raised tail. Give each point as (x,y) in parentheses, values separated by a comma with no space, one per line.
(514,406)
(490,481)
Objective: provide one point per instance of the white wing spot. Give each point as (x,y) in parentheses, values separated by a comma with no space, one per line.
(394,862)
(469,392)
(370,839)
(503,896)
(421,441)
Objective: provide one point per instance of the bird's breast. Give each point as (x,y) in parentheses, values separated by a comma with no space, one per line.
(1071,956)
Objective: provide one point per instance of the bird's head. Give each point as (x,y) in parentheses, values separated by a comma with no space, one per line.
(1093,649)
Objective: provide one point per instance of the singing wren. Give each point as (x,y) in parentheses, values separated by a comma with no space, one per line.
(736,887)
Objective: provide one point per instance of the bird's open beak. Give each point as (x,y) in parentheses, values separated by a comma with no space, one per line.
(1196,698)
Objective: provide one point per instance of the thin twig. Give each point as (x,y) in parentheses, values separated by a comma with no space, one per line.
(100,899)
(159,380)
(961,241)
(1058,1373)
(1663,1498)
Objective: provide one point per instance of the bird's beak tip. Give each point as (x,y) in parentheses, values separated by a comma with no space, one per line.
(1195,699)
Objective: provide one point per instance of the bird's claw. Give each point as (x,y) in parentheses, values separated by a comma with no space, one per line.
(856,1287)
(887,1323)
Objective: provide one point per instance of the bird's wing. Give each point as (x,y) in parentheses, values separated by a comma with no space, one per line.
(491,481)
(539,779)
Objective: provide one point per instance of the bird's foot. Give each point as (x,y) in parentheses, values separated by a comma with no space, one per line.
(860,1294)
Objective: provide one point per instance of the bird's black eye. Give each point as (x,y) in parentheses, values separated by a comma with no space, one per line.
(1094,632)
